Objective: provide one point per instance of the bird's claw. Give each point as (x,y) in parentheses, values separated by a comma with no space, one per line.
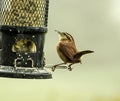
(53,68)
(69,68)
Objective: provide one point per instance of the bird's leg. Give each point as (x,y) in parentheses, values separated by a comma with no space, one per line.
(69,67)
(53,68)
(58,64)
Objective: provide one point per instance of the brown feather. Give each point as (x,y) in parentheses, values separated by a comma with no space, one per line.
(79,54)
(66,51)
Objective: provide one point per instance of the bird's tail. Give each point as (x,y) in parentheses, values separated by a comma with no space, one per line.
(79,54)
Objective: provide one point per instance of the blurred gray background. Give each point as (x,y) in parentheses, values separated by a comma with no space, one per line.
(94,25)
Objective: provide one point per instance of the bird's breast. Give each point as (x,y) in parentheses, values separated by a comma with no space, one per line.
(61,54)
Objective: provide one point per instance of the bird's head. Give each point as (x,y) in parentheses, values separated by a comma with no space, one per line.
(64,35)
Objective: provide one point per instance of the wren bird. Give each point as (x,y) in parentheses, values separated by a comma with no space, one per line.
(67,50)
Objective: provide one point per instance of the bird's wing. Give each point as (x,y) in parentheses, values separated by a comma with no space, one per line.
(68,50)
(79,54)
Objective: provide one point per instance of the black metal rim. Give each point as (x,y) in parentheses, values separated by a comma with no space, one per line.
(25,76)
(23,29)
(23,73)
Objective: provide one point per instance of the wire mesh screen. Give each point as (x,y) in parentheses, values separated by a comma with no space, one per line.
(24,12)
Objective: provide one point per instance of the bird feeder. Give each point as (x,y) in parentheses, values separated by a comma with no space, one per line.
(23,24)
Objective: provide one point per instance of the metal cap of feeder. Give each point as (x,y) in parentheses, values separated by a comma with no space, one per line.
(23,25)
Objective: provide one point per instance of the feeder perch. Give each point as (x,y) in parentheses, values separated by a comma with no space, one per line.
(23,24)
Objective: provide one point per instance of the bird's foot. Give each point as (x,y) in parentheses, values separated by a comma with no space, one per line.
(53,68)
(69,68)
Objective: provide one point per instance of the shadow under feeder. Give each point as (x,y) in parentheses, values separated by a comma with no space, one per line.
(23,31)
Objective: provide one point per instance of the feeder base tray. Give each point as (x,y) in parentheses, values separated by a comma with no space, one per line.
(25,73)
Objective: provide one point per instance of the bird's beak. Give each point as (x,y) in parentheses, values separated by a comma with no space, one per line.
(58,32)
